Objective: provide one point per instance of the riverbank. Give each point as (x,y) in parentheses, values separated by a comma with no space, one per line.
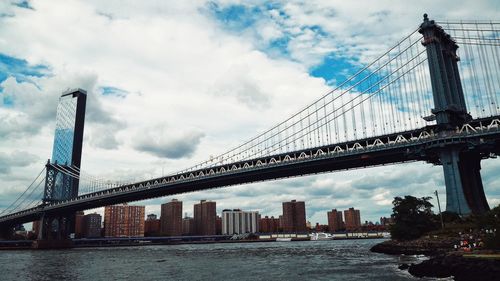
(423,246)
(93,244)
(463,267)
(145,241)
(445,260)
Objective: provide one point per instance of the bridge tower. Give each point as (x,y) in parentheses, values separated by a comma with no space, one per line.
(461,163)
(67,151)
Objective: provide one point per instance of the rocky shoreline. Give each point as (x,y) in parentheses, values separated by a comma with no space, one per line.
(461,267)
(428,247)
(444,260)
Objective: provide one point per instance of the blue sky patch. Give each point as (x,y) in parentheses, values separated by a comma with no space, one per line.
(317,30)
(279,45)
(240,18)
(20,69)
(334,69)
(113,91)
(7,100)
(235,17)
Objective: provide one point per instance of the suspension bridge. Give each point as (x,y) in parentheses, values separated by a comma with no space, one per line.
(433,97)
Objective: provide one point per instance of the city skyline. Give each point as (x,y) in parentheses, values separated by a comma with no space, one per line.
(123,220)
(187,214)
(117,145)
(175,207)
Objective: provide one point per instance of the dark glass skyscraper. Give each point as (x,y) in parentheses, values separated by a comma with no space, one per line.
(68,137)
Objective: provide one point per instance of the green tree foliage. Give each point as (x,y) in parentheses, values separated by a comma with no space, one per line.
(412,217)
(491,221)
(450,217)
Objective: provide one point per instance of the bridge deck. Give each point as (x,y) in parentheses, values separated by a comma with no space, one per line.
(415,145)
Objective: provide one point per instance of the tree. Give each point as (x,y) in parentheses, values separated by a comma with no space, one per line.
(451,217)
(412,217)
(490,221)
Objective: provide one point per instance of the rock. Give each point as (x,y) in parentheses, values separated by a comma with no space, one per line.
(463,269)
(444,261)
(404,266)
(414,247)
(430,268)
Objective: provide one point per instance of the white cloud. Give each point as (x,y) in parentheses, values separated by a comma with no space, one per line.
(16,159)
(163,143)
(382,197)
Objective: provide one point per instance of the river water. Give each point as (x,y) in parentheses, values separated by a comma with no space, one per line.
(307,260)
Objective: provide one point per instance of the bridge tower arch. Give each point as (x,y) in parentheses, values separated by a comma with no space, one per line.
(461,163)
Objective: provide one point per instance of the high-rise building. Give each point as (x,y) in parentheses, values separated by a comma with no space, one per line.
(352,219)
(67,150)
(187,226)
(171,218)
(218,225)
(294,216)
(68,138)
(92,224)
(79,224)
(124,221)
(36,228)
(335,221)
(204,218)
(386,221)
(269,225)
(152,225)
(238,222)
(321,227)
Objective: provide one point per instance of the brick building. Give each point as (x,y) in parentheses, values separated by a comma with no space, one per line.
(36,228)
(204,218)
(294,217)
(218,225)
(171,218)
(269,225)
(152,226)
(352,219)
(79,224)
(124,221)
(187,226)
(335,221)
(92,225)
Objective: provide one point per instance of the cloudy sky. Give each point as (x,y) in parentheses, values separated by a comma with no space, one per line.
(172,82)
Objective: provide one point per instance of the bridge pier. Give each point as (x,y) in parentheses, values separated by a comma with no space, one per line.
(53,233)
(6,233)
(461,165)
(464,187)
